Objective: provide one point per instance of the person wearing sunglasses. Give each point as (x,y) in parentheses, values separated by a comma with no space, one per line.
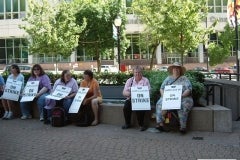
(37,74)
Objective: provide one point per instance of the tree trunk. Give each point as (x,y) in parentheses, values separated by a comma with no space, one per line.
(182,49)
(153,55)
(98,59)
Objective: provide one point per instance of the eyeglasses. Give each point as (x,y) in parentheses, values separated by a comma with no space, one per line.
(36,69)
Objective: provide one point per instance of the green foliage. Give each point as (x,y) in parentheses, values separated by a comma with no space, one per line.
(51,27)
(219,51)
(155,78)
(197,79)
(119,79)
(176,23)
(196,76)
(97,37)
(217,54)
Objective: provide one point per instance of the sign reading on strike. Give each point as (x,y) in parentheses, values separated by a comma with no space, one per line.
(59,93)
(77,101)
(172,96)
(12,90)
(140,98)
(30,91)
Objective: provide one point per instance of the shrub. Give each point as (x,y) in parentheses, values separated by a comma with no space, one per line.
(155,77)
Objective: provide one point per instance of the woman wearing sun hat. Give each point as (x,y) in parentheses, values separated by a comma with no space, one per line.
(176,77)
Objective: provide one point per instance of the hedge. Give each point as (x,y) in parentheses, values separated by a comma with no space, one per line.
(118,79)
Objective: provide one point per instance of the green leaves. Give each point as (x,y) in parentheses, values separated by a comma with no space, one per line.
(176,23)
(219,51)
(52,28)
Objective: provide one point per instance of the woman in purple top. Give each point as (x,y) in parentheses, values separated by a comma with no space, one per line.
(67,81)
(37,74)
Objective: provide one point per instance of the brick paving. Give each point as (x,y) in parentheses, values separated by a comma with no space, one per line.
(31,139)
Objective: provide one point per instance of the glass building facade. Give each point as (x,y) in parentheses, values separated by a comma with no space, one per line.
(15,48)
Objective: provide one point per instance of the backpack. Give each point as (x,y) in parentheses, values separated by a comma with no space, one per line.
(58,117)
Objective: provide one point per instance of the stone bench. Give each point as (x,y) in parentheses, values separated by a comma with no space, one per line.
(212,118)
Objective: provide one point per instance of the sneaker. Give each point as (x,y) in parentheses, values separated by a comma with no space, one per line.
(5,115)
(26,117)
(10,115)
(41,119)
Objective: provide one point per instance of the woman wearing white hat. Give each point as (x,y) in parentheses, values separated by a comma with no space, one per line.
(176,77)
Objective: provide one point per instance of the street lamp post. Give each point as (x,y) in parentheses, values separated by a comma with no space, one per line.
(117,23)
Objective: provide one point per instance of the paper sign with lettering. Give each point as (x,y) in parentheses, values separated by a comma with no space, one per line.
(172,96)
(77,101)
(59,93)
(12,90)
(30,91)
(140,98)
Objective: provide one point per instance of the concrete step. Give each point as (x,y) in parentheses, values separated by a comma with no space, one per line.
(212,118)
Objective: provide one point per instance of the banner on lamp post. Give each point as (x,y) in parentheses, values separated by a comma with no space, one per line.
(231,9)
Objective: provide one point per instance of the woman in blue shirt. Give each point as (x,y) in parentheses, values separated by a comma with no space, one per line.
(8,104)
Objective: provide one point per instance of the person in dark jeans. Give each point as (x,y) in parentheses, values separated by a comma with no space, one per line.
(136,80)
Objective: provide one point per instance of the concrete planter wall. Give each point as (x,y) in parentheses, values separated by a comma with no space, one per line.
(231,95)
(112,92)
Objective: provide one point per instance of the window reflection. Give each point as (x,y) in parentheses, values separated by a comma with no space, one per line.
(12,9)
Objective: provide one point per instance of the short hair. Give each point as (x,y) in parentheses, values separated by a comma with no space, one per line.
(62,75)
(40,68)
(139,68)
(16,67)
(89,73)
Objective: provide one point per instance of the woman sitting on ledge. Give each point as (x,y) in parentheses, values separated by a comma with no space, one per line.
(93,96)
(176,77)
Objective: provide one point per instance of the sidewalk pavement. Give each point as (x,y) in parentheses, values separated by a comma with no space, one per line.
(31,139)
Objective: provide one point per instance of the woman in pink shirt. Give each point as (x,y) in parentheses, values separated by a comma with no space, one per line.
(136,80)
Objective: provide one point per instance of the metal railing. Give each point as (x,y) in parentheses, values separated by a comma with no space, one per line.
(227,76)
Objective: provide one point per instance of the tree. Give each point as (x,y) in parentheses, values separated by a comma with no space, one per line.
(149,39)
(219,50)
(177,23)
(51,27)
(97,37)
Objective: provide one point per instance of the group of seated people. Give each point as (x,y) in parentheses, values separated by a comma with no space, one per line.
(94,97)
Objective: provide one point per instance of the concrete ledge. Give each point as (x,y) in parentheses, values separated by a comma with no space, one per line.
(112,113)
(200,119)
(222,118)
(17,111)
(210,118)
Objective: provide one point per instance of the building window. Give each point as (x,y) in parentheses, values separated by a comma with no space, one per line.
(12,9)
(1,9)
(217,6)
(134,51)
(14,50)
(129,6)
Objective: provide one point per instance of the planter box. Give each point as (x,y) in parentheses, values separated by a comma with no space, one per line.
(112,92)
